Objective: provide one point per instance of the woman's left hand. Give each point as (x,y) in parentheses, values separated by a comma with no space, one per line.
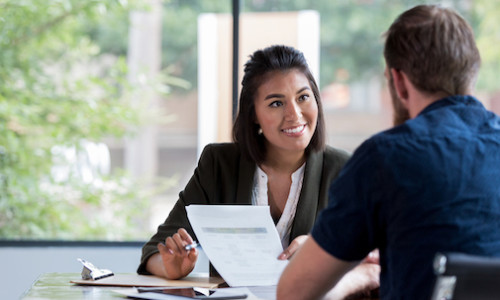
(359,283)
(293,247)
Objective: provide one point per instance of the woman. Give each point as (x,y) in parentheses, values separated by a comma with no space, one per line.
(278,158)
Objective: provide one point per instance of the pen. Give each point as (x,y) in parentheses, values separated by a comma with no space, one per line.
(191,246)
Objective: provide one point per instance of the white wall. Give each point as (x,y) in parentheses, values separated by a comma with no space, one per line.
(21,266)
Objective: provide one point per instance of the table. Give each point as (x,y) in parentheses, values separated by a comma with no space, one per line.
(58,286)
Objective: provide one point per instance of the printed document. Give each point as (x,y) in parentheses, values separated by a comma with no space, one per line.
(241,242)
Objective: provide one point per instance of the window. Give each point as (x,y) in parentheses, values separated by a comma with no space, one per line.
(105,105)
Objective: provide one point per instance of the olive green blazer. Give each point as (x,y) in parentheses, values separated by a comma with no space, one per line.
(225,176)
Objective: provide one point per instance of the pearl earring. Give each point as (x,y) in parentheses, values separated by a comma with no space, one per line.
(259,131)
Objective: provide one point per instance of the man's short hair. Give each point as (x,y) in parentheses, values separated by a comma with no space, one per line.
(435,48)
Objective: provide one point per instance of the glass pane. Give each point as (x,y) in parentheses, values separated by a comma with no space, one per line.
(98,110)
(93,146)
(351,79)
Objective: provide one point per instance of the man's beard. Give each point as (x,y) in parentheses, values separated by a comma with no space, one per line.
(400,113)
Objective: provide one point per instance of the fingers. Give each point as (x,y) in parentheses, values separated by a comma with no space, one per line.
(369,275)
(372,257)
(284,255)
(164,250)
(192,254)
(175,244)
(293,247)
(185,235)
(177,262)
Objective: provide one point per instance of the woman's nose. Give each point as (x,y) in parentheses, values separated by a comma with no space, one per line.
(292,111)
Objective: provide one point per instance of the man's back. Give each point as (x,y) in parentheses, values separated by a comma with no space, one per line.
(441,190)
(430,185)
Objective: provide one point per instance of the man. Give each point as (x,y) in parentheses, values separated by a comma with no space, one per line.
(430,184)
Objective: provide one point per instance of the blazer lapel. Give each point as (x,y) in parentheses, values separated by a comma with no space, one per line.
(245,181)
(307,205)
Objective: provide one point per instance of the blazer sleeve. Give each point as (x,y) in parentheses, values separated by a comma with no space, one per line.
(199,190)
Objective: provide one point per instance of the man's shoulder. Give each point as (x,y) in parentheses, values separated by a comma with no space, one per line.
(381,146)
(401,134)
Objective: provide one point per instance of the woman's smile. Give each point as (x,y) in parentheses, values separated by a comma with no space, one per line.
(295,131)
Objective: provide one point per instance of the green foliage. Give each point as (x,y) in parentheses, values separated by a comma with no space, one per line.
(351,41)
(486,23)
(179,35)
(58,89)
(351,33)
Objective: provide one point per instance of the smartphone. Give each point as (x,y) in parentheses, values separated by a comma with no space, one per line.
(192,293)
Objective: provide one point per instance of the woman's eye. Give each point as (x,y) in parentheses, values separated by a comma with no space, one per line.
(275,104)
(303,97)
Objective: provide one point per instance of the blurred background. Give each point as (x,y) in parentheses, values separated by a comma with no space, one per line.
(105,105)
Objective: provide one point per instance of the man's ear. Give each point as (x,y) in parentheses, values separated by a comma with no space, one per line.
(400,85)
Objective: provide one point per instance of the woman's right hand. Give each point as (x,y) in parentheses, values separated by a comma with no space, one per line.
(177,261)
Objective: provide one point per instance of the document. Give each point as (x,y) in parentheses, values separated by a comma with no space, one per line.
(241,242)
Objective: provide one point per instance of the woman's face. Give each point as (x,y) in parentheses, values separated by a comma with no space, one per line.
(287,111)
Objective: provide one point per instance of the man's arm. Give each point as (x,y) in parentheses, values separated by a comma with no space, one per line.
(311,273)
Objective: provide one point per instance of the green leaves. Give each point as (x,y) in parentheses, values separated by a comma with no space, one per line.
(57,89)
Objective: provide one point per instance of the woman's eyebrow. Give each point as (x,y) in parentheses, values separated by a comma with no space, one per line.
(303,89)
(270,96)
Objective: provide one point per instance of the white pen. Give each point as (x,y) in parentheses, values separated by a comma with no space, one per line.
(191,246)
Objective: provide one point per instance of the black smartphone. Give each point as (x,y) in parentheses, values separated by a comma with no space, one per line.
(192,293)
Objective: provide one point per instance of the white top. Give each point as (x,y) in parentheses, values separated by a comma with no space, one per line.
(259,197)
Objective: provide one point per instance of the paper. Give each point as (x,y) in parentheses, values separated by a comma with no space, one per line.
(264,292)
(92,272)
(241,242)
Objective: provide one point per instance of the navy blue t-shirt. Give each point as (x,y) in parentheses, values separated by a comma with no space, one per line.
(431,184)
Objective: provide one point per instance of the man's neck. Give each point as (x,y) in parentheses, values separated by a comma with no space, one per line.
(421,100)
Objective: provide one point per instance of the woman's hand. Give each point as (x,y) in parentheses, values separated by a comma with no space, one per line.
(177,261)
(357,283)
(372,257)
(293,247)
(360,282)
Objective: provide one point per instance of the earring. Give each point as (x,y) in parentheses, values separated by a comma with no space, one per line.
(259,132)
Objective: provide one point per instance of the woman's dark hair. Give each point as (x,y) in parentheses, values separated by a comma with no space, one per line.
(262,62)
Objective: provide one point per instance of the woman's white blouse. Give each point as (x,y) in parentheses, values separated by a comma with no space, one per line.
(259,197)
